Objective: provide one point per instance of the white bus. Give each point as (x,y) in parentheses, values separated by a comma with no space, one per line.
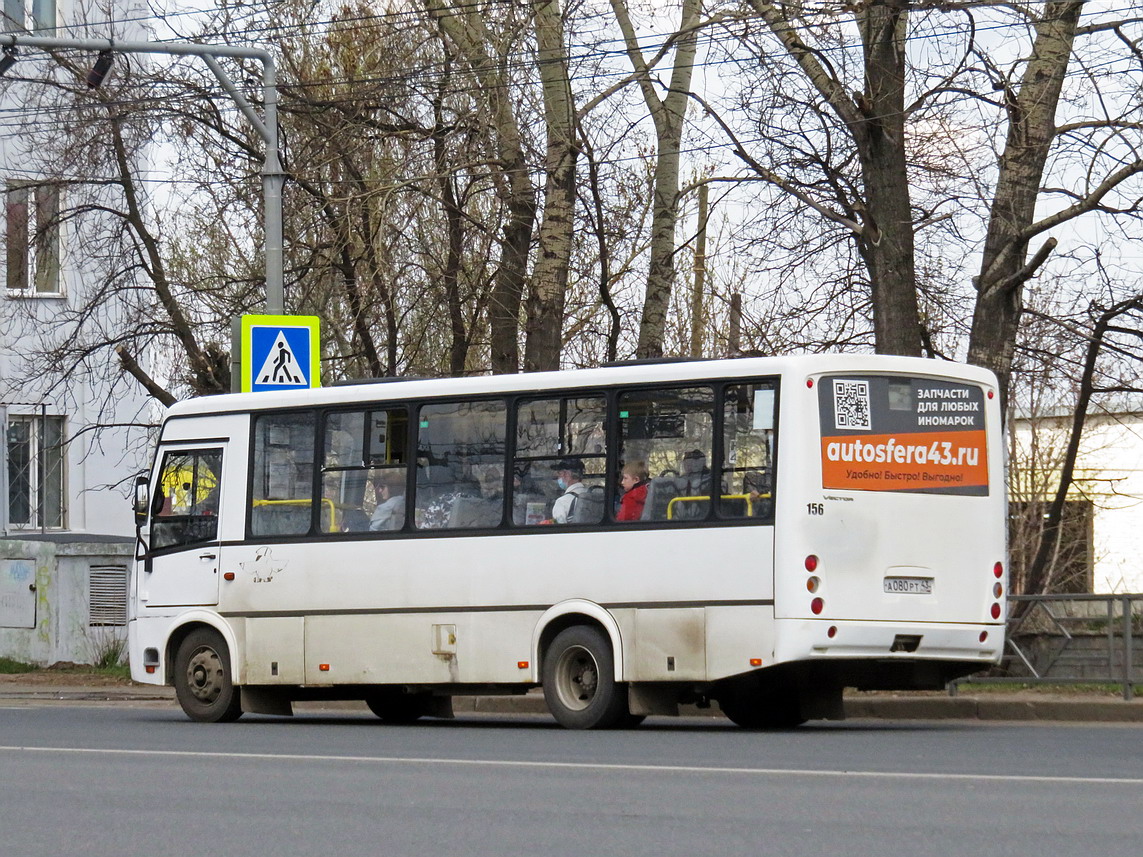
(795,526)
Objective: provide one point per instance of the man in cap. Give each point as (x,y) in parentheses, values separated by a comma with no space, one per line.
(569,476)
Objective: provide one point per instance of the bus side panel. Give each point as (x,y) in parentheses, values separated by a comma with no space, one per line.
(735,636)
(274,652)
(669,645)
(373,607)
(419,648)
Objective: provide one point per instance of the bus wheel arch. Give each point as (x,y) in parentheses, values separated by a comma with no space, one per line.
(567,614)
(191,622)
(202,673)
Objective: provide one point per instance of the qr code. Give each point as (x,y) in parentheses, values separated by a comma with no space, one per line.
(851,404)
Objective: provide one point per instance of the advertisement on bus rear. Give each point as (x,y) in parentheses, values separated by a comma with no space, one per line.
(914,435)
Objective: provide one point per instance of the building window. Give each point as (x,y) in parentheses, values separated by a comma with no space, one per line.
(35,453)
(32,238)
(35,15)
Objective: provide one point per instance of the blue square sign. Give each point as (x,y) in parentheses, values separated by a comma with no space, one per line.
(280,352)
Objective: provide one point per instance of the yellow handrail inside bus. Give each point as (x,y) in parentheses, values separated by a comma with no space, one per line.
(746,497)
(333,522)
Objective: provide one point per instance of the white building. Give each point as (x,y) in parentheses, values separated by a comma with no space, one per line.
(1107,495)
(73,433)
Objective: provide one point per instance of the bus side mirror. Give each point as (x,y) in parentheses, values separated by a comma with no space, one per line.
(142,503)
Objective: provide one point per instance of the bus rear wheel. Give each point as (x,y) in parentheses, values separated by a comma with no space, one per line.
(579,681)
(762,711)
(203,685)
(396,706)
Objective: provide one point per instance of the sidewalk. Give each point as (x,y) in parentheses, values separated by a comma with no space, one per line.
(1028,705)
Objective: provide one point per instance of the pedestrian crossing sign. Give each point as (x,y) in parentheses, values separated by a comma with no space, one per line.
(280,352)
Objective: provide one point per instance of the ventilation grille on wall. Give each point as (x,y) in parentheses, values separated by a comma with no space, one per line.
(107,601)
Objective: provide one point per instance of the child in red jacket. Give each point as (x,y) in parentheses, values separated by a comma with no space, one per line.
(633,481)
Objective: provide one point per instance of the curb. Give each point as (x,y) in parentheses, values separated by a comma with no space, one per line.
(1009,707)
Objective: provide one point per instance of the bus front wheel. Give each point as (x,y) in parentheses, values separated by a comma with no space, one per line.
(203,685)
(579,680)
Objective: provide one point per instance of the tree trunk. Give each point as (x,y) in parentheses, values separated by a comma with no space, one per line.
(876,121)
(545,307)
(1031,129)
(669,115)
(886,239)
(464,27)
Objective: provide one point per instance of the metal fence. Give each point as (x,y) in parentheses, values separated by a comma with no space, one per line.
(1071,639)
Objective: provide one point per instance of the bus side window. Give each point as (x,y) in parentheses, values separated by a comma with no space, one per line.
(362,458)
(748,445)
(282,475)
(548,431)
(460,465)
(672,430)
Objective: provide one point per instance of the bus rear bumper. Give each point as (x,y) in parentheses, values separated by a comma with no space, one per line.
(828,639)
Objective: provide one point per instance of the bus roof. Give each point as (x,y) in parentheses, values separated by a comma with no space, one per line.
(539,382)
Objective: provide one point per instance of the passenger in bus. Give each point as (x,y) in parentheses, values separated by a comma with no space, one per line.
(695,479)
(478,504)
(633,480)
(490,478)
(569,478)
(756,486)
(390,511)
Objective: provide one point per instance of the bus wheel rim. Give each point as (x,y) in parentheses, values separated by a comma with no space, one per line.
(204,675)
(577,678)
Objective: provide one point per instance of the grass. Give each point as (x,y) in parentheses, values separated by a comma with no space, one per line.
(116,670)
(112,670)
(11,667)
(1094,688)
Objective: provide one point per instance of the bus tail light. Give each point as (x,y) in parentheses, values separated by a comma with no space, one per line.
(832,632)
(755,662)
(817,606)
(995,611)
(811,563)
(813,583)
(983,636)
(997,590)
(998,570)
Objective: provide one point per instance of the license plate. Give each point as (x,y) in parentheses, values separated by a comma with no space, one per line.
(909,585)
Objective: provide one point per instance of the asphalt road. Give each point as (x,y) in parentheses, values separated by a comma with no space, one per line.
(117,782)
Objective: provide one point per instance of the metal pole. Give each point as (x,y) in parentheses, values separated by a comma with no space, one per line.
(42,470)
(273,178)
(699,273)
(1128,687)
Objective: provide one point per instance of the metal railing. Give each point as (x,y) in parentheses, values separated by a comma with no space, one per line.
(1070,639)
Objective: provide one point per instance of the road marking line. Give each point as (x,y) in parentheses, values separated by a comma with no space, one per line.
(680,769)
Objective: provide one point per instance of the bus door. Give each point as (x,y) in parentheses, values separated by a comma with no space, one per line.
(183,548)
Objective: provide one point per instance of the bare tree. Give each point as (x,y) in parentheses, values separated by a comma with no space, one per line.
(890,147)
(669,115)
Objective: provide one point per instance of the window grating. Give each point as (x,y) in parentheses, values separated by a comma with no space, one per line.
(107,601)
